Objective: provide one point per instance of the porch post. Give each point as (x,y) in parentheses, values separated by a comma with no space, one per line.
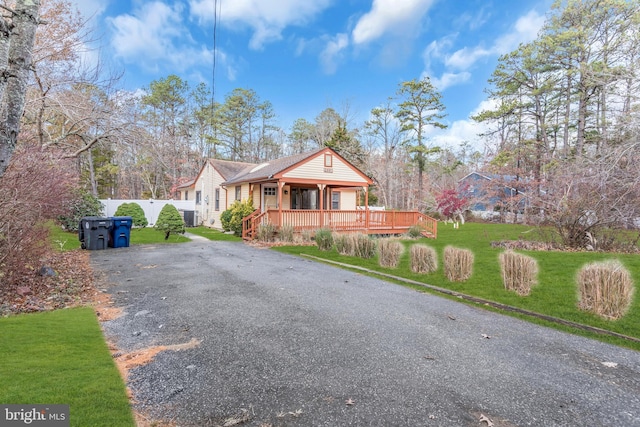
(366,207)
(321,187)
(280,185)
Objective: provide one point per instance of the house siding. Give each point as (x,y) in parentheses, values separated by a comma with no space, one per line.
(207,183)
(315,169)
(348,200)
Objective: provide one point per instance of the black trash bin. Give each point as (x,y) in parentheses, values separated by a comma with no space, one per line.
(120,231)
(93,232)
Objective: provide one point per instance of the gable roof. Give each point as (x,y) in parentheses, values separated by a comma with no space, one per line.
(228,169)
(187,184)
(266,170)
(241,172)
(276,168)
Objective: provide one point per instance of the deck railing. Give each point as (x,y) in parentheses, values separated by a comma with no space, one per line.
(371,222)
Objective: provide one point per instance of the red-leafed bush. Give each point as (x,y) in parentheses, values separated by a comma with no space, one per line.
(35,187)
(450,203)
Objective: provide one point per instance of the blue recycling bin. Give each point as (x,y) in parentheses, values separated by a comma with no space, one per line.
(120,231)
(93,232)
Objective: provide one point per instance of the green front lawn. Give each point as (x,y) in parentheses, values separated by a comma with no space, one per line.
(60,357)
(556,292)
(65,241)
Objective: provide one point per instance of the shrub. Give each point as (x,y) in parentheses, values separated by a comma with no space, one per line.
(231,219)
(286,233)
(519,272)
(364,246)
(169,221)
(136,213)
(36,187)
(423,259)
(80,205)
(324,239)
(458,264)
(605,289)
(266,232)
(415,232)
(225,219)
(389,252)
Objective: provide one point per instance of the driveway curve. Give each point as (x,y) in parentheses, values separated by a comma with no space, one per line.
(285,341)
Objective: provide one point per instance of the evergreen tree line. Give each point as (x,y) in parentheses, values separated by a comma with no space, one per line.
(563,122)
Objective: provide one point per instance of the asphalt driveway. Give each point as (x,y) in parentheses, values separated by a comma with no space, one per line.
(285,341)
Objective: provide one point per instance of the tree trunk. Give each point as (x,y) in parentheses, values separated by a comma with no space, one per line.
(567,115)
(92,173)
(5,37)
(23,33)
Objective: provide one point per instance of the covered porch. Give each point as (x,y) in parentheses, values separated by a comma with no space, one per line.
(346,221)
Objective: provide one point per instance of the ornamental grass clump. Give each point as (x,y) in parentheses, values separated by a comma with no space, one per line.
(286,233)
(266,232)
(605,289)
(458,264)
(364,246)
(344,244)
(423,259)
(324,239)
(389,252)
(519,272)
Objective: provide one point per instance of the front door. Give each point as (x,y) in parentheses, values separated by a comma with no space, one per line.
(269,197)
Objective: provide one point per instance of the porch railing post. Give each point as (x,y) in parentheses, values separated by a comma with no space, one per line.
(321,187)
(366,209)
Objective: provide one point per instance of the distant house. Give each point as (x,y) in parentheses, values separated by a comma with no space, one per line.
(493,193)
(307,191)
(186,191)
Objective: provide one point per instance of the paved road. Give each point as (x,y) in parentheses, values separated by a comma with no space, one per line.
(286,341)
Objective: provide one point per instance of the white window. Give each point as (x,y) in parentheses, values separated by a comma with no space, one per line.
(335,200)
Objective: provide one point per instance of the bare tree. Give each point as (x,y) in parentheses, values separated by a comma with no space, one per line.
(17,35)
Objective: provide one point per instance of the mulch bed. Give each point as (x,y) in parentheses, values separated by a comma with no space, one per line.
(64,279)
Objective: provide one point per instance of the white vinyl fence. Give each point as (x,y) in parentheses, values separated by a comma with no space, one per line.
(150,207)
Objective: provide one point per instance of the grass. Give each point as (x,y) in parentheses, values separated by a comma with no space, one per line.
(147,235)
(213,234)
(555,295)
(60,357)
(62,240)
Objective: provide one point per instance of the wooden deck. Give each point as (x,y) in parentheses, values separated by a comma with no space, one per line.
(363,221)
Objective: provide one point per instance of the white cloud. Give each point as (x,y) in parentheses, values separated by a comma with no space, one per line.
(267,18)
(450,79)
(464,58)
(332,51)
(155,33)
(525,30)
(465,130)
(395,16)
(456,64)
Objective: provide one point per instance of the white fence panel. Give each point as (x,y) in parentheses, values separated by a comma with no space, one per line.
(150,207)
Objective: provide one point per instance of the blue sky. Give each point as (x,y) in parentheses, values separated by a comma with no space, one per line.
(306,55)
